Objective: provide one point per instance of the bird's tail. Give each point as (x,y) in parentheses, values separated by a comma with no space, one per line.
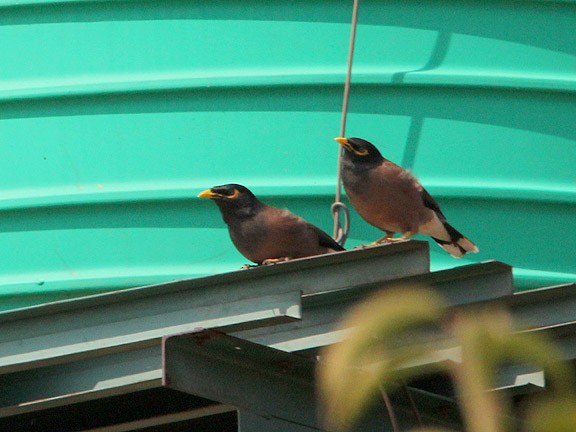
(458,245)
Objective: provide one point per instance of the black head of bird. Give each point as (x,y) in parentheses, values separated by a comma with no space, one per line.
(233,200)
(360,151)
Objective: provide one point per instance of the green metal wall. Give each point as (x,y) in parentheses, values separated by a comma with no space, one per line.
(114,114)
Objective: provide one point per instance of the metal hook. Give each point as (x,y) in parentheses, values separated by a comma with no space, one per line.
(341,231)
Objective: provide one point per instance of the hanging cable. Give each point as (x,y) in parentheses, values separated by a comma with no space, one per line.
(390,409)
(338,208)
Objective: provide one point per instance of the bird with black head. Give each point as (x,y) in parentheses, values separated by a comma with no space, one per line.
(390,198)
(266,234)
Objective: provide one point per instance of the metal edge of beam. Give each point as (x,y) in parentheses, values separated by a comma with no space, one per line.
(521,390)
(166,419)
(116,372)
(514,378)
(105,370)
(134,324)
(563,335)
(543,307)
(557,331)
(544,293)
(471,283)
(44,404)
(533,309)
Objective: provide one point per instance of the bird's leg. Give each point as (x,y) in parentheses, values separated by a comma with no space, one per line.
(386,239)
(275,260)
(405,236)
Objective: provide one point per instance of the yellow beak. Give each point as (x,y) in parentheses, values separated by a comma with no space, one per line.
(207,194)
(341,140)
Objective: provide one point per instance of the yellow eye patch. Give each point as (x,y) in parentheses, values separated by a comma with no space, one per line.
(235,195)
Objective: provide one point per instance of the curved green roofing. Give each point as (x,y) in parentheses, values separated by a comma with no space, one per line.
(113,115)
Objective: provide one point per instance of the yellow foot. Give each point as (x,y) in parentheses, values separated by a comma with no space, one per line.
(270,261)
(405,237)
(398,239)
(378,242)
(386,239)
(367,246)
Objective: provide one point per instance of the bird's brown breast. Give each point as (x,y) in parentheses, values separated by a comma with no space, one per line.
(387,197)
(275,233)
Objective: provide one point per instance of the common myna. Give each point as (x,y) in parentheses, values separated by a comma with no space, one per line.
(266,234)
(390,198)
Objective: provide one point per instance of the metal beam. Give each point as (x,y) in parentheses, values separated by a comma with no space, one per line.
(62,331)
(68,336)
(480,282)
(272,390)
(261,380)
(105,363)
(544,307)
(539,309)
(111,372)
(121,372)
(322,312)
(103,376)
(564,335)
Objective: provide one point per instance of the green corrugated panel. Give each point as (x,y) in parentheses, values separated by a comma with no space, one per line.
(114,114)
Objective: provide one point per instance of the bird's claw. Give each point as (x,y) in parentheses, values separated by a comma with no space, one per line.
(248,266)
(271,261)
(383,241)
(373,244)
(396,240)
(363,246)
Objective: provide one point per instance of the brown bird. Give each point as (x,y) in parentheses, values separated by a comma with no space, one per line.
(265,234)
(390,198)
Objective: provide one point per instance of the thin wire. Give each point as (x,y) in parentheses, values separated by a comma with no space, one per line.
(413,404)
(390,409)
(341,232)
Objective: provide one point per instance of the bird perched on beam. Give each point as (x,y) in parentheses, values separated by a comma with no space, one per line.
(265,234)
(390,198)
